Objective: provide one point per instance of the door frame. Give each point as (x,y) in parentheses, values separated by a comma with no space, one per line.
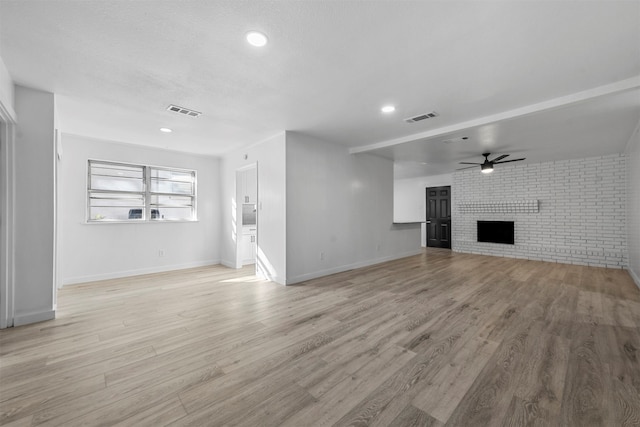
(428,221)
(238,212)
(7,215)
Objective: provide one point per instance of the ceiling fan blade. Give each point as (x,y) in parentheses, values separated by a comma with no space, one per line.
(499,158)
(468,163)
(507,161)
(470,167)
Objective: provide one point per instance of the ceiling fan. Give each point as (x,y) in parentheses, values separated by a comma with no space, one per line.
(487,165)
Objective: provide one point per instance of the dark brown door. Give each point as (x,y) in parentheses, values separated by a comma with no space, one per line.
(439,217)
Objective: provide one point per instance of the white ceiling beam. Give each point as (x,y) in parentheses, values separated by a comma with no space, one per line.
(619,86)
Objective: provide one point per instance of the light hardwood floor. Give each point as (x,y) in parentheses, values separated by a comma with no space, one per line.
(431,340)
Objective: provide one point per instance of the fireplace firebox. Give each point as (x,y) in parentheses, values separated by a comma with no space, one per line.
(496,232)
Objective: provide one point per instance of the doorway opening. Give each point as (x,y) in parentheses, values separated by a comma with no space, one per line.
(438,219)
(247,215)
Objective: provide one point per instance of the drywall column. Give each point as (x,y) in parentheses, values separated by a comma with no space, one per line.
(633,204)
(270,156)
(34,206)
(340,210)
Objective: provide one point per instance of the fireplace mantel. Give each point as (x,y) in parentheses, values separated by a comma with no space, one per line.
(500,206)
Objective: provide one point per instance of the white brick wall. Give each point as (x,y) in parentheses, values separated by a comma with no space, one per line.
(581,218)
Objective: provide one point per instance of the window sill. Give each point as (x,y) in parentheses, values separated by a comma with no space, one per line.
(165,221)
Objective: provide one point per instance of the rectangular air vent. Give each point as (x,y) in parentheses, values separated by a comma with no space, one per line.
(421,117)
(458,139)
(182,110)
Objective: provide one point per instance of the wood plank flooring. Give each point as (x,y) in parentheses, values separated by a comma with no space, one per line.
(439,339)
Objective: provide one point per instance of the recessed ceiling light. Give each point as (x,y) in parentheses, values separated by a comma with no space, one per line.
(388,109)
(256,38)
(165,130)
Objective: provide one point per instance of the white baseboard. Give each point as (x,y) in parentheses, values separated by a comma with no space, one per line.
(347,267)
(136,272)
(228,263)
(40,316)
(634,276)
(275,279)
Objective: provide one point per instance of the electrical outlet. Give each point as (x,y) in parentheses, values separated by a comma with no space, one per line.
(321,256)
(160,253)
(378,247)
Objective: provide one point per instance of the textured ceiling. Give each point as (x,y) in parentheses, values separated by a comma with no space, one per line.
(329,67)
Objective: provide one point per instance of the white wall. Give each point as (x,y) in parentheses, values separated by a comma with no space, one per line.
(107,250)
(270,156)
(34,206)
(581,218)
(409,199)
(340,205)
(633,204)
(7,90)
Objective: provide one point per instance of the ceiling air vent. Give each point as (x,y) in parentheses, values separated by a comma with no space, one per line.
(421,117)
(458,139)
(182,110)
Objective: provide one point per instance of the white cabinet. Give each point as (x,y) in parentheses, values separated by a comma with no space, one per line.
(249,247)
(248,185)
(252,185)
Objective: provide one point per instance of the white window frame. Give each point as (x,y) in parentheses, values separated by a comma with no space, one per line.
(146,193)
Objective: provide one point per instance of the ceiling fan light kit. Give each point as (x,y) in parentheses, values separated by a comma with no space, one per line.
(487,165)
